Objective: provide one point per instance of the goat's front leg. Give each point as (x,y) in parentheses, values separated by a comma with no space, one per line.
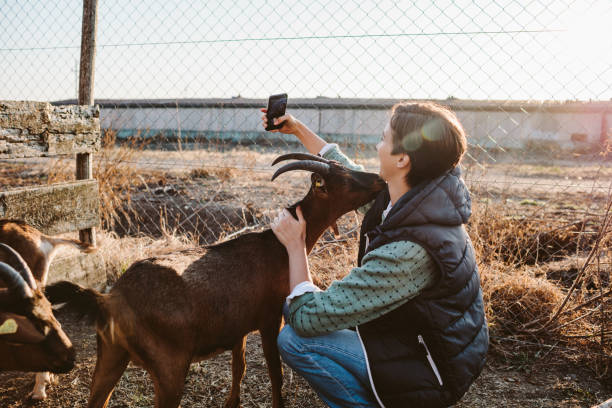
(269,334)
(238,369)
(42,379)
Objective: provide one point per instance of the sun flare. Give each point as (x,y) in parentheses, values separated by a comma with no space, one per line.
(589,33)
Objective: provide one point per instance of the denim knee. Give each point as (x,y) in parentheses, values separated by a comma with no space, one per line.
(288,342)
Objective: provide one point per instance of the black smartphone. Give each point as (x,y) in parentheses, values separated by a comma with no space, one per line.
(276,108)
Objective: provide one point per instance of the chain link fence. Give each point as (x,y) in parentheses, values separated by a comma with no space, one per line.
(180,85)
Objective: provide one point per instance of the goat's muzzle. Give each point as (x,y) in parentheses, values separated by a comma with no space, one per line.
(66,365)
(61,352)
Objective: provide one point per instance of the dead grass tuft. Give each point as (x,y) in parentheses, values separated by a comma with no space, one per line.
(224,174)
(119,253)
(515,238)
(514,297)
(200,173)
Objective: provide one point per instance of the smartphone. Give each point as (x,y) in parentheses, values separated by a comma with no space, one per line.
(276,108)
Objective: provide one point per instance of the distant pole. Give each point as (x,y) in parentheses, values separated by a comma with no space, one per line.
(603,136)
(86,93)
(76,81)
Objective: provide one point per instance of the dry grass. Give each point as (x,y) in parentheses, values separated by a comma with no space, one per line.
(515,297)
(120,253)
(527,237)
(116,173)
(533,287)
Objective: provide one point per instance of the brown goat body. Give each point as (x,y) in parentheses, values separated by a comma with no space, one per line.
(166,312)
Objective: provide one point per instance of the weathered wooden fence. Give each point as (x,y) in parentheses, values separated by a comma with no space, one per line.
(38,129)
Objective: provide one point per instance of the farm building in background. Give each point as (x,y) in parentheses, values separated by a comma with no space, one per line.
(491,125)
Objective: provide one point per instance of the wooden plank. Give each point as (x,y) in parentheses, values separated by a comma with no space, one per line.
(34,129)
(56,208)
(85,269)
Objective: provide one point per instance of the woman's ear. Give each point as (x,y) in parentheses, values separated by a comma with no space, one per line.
(404,162)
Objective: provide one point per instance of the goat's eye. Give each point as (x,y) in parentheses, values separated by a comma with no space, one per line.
(319,183)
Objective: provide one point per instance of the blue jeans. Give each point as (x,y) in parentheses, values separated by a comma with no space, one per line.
(333,364)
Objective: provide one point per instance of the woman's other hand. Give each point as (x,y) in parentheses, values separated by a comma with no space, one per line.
(289,231)
(290,125)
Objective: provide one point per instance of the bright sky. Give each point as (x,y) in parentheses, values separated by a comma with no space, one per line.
(486,49)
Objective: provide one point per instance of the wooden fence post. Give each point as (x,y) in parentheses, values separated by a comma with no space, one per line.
(86,93)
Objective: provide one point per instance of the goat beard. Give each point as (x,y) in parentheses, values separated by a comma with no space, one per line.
(333,226)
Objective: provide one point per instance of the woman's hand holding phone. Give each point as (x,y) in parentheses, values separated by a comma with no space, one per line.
(290,125)
(286,123)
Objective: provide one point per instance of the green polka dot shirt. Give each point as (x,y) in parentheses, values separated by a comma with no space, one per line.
(388,277)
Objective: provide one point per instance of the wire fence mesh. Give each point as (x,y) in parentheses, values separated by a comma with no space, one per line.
(180,85)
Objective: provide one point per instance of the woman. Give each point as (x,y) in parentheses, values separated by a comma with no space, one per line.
(406,327)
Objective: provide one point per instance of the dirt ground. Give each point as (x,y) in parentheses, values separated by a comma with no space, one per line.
(206,203)
(208,382)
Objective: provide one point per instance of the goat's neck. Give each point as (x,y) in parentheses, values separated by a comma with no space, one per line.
(316,224)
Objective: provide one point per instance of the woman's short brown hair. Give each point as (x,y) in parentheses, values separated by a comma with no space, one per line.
(431,135)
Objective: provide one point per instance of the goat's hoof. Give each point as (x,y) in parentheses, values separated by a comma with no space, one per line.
(232,403)
(39,396)
(33,399)
(53,379)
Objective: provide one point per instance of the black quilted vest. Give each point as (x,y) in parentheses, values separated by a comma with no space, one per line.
(427,352)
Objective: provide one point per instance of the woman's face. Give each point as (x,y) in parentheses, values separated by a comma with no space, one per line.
(388,162)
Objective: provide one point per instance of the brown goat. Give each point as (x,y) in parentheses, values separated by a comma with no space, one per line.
(38,250)
(32,339)
(169,311)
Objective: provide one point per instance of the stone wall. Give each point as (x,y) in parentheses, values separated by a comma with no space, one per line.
(33,129)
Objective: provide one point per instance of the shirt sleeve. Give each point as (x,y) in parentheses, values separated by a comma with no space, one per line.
(332,151)
(326,148)
(301,288)
(389,276)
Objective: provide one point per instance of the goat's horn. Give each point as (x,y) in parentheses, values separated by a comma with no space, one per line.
(299,156)
(309,165)
(14,281)
(21,266)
